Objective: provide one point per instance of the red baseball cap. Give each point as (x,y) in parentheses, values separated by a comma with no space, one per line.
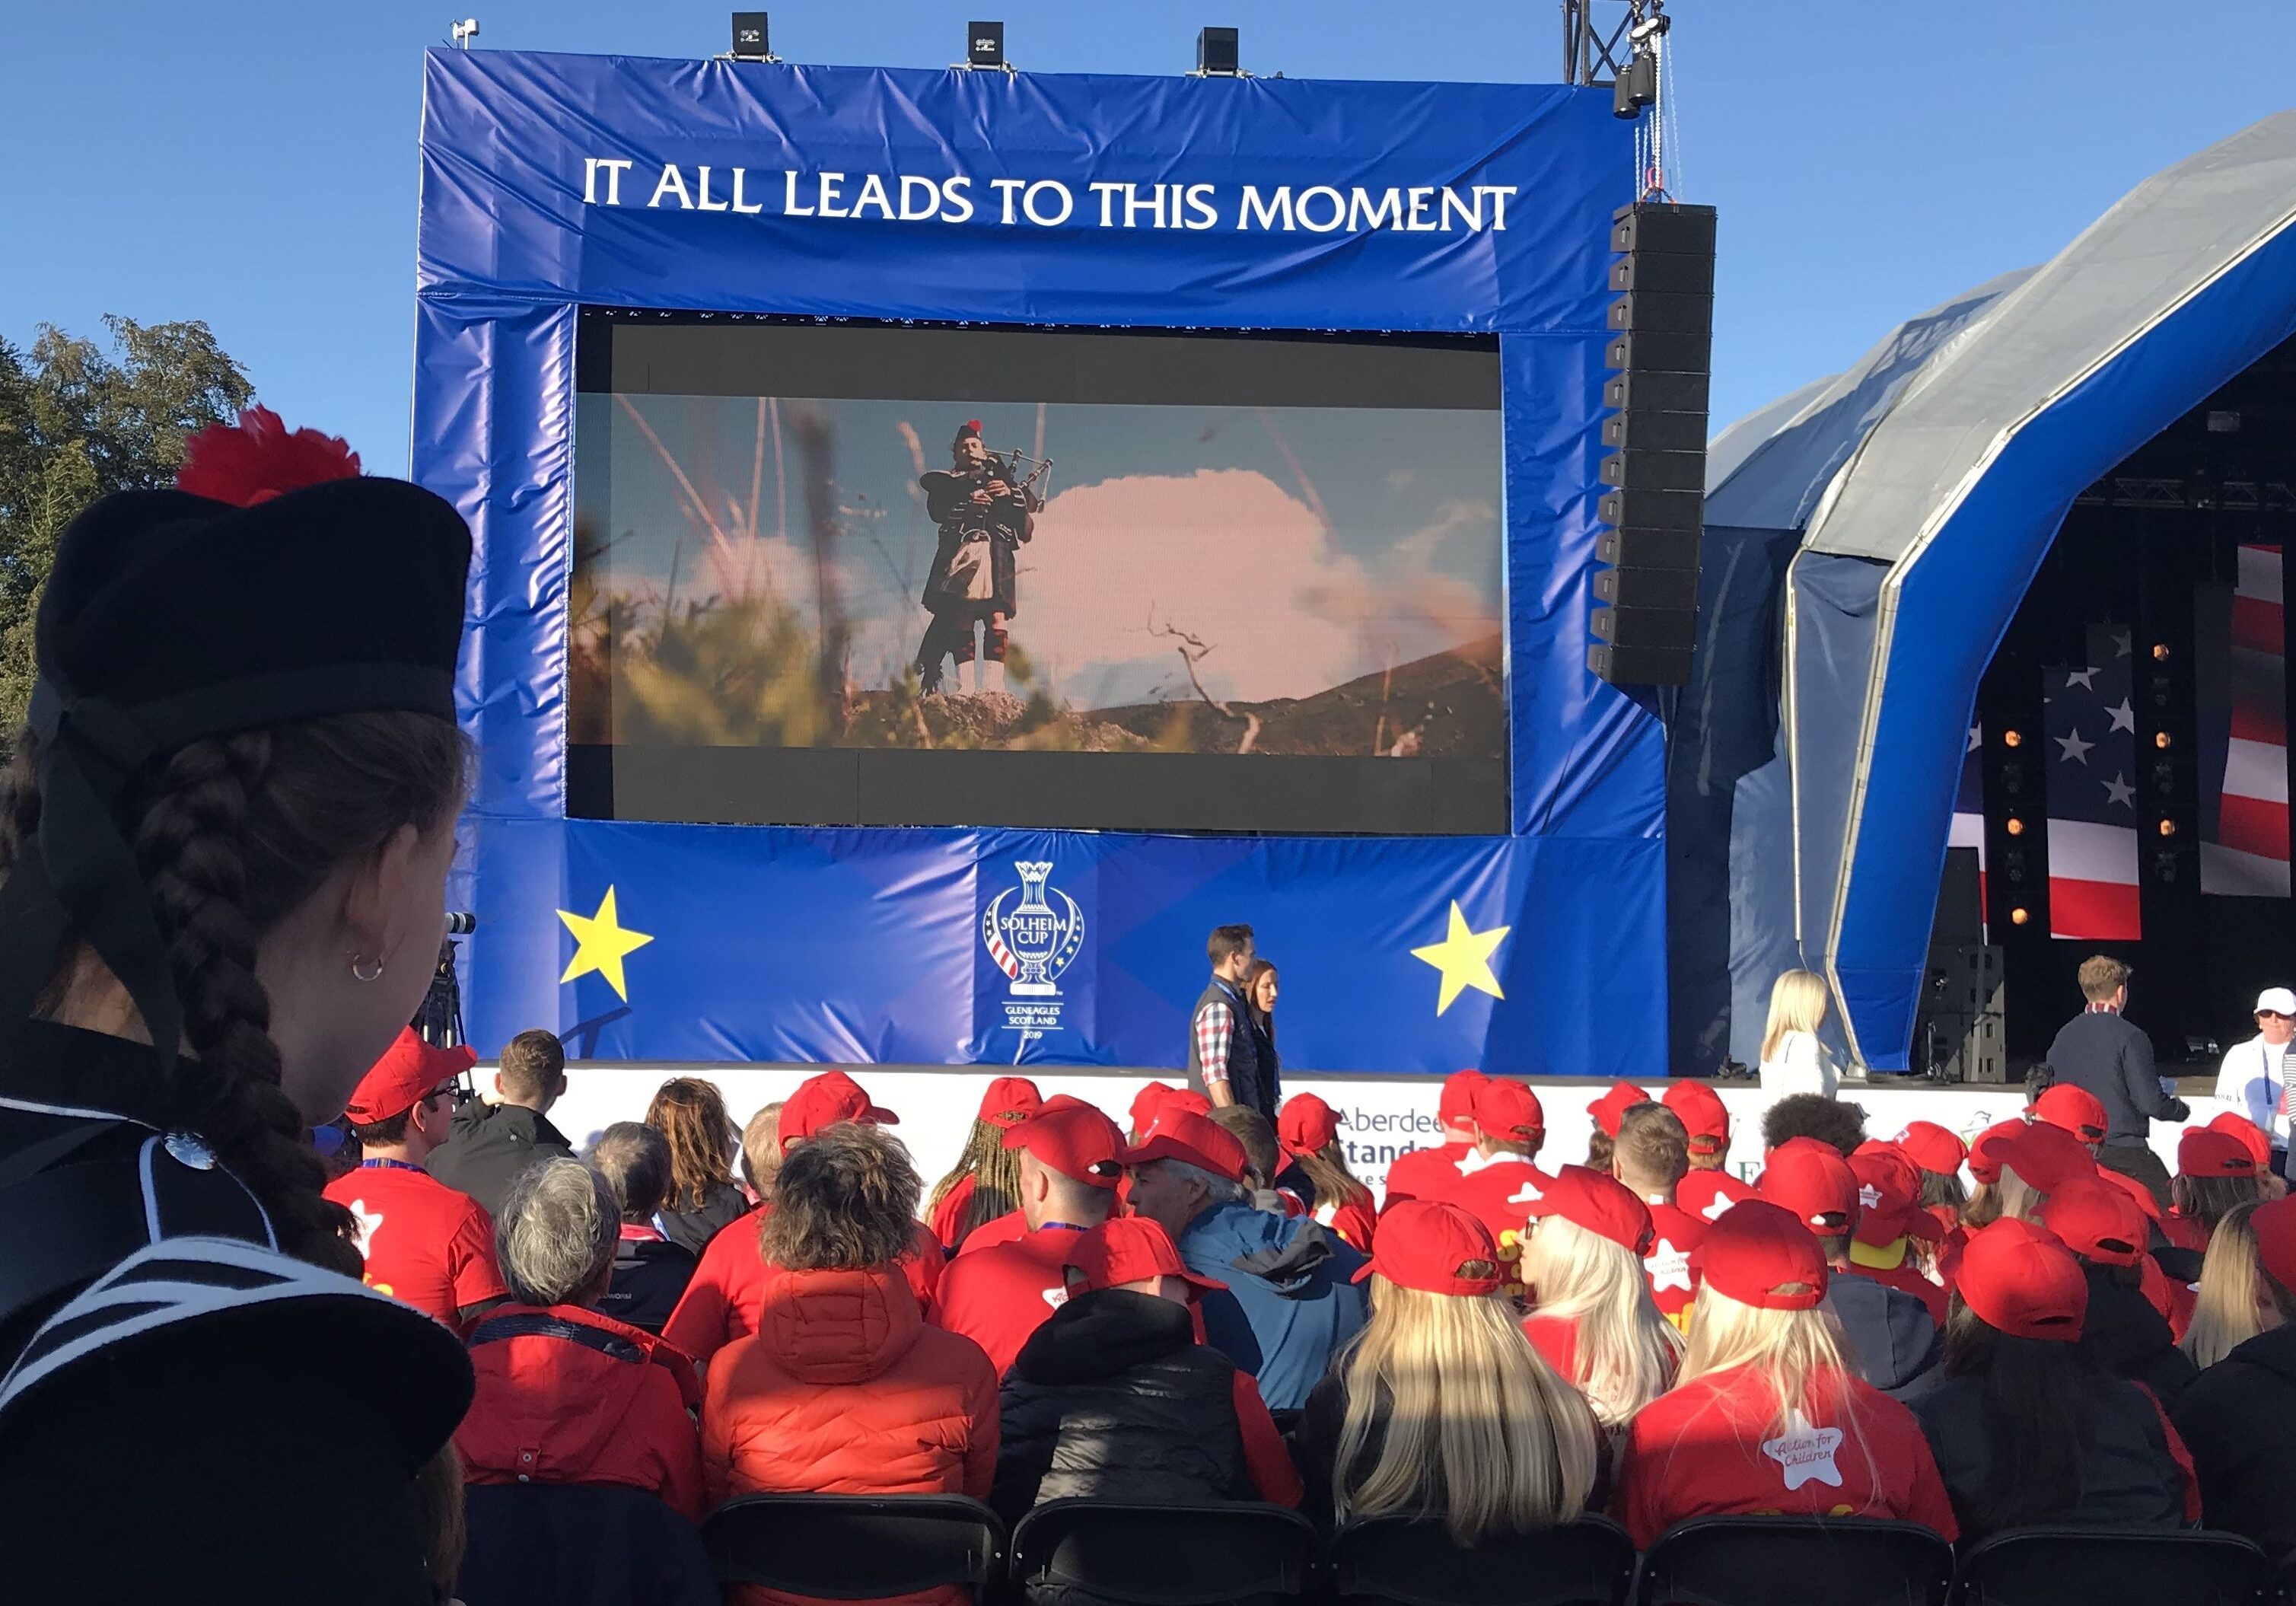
(2135,1190)
(2023,1280)
(1305,1124)
(1985,1149)
(1811,1180)
(825,1100)
(1126,1249)
(1600,1204)
(1193,1139)
(1932,1147)
(1456,1106)
(1890,1196)
(1761,1255)
(2204,1151)
(1504,1109)
(1161,1095)
(1622,1097)
(1703,1115)
(2076,1110)
(2097,1222)
(2259,1146)
(2274,1226)
(409,1071)
(1705,1194)
(1010,1100)
(1074,1138)
(2047,1157)
(1435,1247)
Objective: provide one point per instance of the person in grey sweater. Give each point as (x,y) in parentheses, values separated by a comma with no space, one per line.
(2102,1053)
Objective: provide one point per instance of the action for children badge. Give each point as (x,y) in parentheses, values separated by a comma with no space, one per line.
(1032,941)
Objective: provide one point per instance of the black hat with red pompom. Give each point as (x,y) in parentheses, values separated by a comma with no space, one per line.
(276,584)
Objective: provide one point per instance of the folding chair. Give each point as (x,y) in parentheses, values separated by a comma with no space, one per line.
(2101,1566)
(854,1547)
(580,1544)
(1796,1562)
(1077,1551)
(1413,1561)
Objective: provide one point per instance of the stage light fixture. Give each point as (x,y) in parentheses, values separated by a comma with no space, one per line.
(752,38)
(984,45)
(2164,864)
(2011,739)
(2016,827)
(463,32)
(2159,653)
(1218,54)
(2018,917)
(2161,739)
(2168,828)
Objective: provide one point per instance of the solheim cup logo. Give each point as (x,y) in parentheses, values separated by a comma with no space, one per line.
(1032,943)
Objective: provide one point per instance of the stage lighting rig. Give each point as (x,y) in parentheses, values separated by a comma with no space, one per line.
(984,47)
(1218,54)
(463,32)
(752,38)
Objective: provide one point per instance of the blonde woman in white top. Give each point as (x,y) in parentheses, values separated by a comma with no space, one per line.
(1793,1060)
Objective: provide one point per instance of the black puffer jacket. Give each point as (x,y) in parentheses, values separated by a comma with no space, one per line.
(2131,1478)
(1894,1345)
(1114,1399)
(2239,1419)
(2131,1340)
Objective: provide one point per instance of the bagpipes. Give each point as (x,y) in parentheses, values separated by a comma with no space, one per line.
(1008,466)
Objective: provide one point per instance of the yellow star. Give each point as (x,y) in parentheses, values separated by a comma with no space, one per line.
(1464,959)
(601,944)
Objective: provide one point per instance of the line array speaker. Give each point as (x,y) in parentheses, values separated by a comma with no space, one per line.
(1661,340)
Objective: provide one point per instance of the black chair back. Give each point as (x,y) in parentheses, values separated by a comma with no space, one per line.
(1081,1551)
(1413,1562)
(2102,1566)
(1796,1562)
(854,1547)
(580,1544)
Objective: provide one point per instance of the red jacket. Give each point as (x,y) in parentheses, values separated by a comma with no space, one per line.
(1426,1173)
(721,1303)
(568,1395)
(1713,1448)
(845,1390)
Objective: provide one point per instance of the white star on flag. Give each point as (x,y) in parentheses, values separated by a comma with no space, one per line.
(1976,736)
(1670,1267)
(1806,1454)
(2085,679)
(2124,717)
(2121,643)
(2075,749)
(2119,791)
(363,1226)
(1868,1196)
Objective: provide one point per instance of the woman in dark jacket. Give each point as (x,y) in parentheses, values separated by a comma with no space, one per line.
(1113,1398)
(2236,1416)
(704,1197)
(2027,1427)
(2106,1230)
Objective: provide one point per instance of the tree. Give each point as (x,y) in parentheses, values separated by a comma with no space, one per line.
(78,420)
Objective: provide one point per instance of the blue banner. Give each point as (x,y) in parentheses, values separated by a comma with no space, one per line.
(549,183)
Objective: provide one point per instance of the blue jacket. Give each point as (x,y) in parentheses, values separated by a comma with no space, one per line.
(1291,1300)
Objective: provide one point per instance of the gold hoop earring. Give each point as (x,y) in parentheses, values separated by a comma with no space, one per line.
(361,973)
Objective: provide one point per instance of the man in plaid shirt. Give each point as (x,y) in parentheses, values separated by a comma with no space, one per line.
(1223,1059)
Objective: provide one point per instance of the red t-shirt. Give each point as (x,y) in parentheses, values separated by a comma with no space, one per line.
(1556,1339)
(424,1244)
(1011,1227)
(1676,1232)
(1909,1279)
(1500,1194)
(2185,1232)
(999,1295)
(1426,1173)
(728,1289)
(1712,1448)
(1354,1223)
(943,1217)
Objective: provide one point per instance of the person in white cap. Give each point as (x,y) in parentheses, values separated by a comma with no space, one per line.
(2254,1077)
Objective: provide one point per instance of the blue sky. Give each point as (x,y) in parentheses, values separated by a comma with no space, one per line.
(253,164)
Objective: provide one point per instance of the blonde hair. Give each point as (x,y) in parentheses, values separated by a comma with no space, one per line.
(1474,1420)
(1796,1353)
(1627,1352)
(2016,1198)
(2234,1285)
(1798,1000)
(761,1150)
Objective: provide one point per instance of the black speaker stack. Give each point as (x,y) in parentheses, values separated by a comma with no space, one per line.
(1660,346)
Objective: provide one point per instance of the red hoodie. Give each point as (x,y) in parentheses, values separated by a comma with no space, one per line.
(568,1395)
(844,1390)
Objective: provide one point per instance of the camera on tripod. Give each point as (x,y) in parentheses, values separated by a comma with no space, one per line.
(439,1021)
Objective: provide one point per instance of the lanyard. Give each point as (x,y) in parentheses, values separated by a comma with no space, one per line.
(387,1164)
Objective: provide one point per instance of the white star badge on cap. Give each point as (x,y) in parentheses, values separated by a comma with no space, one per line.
(1806,1454)
(1869,1197)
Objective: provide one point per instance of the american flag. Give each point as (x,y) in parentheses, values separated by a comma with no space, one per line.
(2089,760)
(2243,751)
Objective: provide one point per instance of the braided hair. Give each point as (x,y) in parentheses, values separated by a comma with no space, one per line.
(230,834)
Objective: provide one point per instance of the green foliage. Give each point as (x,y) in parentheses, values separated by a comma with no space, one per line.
(78,420)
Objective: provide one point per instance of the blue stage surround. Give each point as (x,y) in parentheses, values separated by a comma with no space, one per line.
(549,182)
